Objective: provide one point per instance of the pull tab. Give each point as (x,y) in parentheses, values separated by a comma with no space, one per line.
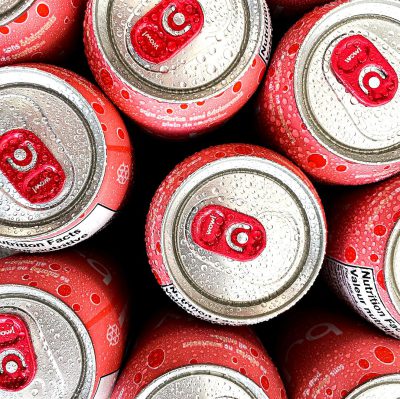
(30,167)
(364,71)
(17,358)
(229,233)
(166,29)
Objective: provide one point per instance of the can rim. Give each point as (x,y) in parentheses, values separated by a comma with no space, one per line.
(14,11)
(110,56)
(375,384)
(258,310)
(320,30)
(87,381)
(392,276)
(248,385)
(30,76)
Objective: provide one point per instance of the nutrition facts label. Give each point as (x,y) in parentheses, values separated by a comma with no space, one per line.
(358,285)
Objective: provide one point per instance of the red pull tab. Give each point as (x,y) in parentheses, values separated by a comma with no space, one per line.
(17,358)
(167,29)
(364,71)
(30,167)
(228,233)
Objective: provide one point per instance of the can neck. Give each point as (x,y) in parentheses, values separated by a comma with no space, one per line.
(207,380)
(379,388)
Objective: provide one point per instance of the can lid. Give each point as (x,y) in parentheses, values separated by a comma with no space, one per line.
(10,9)
(243,238)
(205,381)
(392,266)
(52,153)
(347,81)
(63,351)
(387,386)
(190,48)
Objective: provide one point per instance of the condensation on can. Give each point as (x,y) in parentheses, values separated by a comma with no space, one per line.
(178,356)
(328,354)
(210,75)
(75,309)
(236,234)
(36,30)
(66,159)
(363,253)
(328,104)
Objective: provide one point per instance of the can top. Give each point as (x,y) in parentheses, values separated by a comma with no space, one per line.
(392,266)
(10,9)
(52,153)
(347,81)
(206,381)
(243,238)
(187,48)
(65,358)
(387,386)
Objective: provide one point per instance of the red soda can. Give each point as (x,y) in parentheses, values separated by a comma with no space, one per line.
(236,234)
(32,30)
(327,355)
(178,68)
(62,326)
(363,253)
(65,158)
(332,91)
(179,357)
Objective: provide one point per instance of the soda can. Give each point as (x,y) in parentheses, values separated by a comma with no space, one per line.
(330,99)
(179,357)
(62,326)
(236,234)
(65,159)
(362,263)
(178,68)
(33,30)
(328,355)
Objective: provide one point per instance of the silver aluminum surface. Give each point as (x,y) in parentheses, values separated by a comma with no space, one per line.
(338,120)
(392,267)
(11,9)
(66,363)
(60,116)
(233,33)
(386,387)
(256,290)
(202,381)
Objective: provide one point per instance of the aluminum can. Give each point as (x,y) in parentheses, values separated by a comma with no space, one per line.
(178,68)
(236,234)
(362,263)
(62,326)
(180,357)
(292,8)
(331,95)
(327,355)
(39,30)
(65,158)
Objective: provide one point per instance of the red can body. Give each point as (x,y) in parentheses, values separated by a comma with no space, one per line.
(177,341)
(46,174)
(324,354)
(318,106)
(362,254)
(40,30)
(89,287)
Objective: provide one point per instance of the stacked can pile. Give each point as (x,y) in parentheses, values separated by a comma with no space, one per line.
(295,185)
